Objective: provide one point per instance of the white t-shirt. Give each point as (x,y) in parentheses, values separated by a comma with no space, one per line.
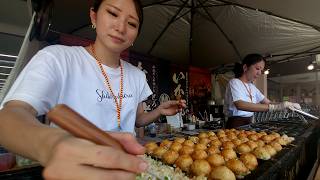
(70,75)
(236,91)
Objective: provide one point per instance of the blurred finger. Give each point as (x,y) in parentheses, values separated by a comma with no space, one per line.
(182,103)
(111,158)
(296,105)
(129,142)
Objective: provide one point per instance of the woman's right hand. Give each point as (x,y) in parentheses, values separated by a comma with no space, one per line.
(284,105)
(74,158)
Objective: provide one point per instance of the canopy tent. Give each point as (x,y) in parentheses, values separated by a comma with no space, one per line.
(222,31)
(208,33)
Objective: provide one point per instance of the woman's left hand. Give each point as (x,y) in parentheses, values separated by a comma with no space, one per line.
(172,107)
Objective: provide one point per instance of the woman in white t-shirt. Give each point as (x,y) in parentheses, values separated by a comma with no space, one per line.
(242,98)
(96,83)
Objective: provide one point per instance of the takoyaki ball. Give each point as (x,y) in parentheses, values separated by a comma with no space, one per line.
(253,137)
(216,160)
(237,166)
(200,147)
(179,140)
(216,143)
(184,162)
(221,135)
(244,139)
(213,150)
(211,138)
(275,134)
(241,131)
(188,143)
(259,135)
(166,143)
(222,173)
(150,147)
(204,141)
(260,143)
(158,153)
(228,145)
(242,135)
(249,160)
(194,139)
(270,150)
(267,138)
(220,131)
(228,154)
(287,139)
(199,154)
(281,141)
(237,132)
(170,157)
(276,146)
(263,133)
(272,136)
(200,167)
(232,136)
(176,146)
(252,144)
(203,135)
(211,133)
(250,132)
(186,150)
(261,153)
(236,142)
(229,132)
(224,139)
(243,148)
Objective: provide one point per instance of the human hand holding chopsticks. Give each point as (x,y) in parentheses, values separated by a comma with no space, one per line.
(172,107)
(75,158)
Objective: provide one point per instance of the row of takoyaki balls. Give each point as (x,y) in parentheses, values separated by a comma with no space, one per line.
(238,150)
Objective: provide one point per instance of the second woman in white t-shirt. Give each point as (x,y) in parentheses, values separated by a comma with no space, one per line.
(242,98)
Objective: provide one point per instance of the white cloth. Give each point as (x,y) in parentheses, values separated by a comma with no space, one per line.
(70,75)
(236,91)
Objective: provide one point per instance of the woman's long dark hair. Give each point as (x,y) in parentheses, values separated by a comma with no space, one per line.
(249,60)
(138,6)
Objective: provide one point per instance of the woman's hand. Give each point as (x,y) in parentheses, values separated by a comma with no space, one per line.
(74,158)
(284,105)
(170,108)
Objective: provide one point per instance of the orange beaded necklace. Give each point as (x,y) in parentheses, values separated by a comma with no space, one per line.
(107,83)
(248,90)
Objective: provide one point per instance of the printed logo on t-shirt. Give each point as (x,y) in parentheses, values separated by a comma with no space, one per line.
(103,94)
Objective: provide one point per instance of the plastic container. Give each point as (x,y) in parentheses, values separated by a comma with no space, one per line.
(7,160)
(153,130)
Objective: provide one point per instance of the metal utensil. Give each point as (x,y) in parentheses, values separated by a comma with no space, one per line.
(303,113)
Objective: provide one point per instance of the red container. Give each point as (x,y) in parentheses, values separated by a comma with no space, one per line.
(7,161)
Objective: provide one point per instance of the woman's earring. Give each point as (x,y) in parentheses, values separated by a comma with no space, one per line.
(132,44)
(93,26)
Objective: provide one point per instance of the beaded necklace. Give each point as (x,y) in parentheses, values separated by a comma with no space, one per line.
(108,85)
(248,90)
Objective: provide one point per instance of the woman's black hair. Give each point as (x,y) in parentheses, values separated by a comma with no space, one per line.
(138,6)
(249,60)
